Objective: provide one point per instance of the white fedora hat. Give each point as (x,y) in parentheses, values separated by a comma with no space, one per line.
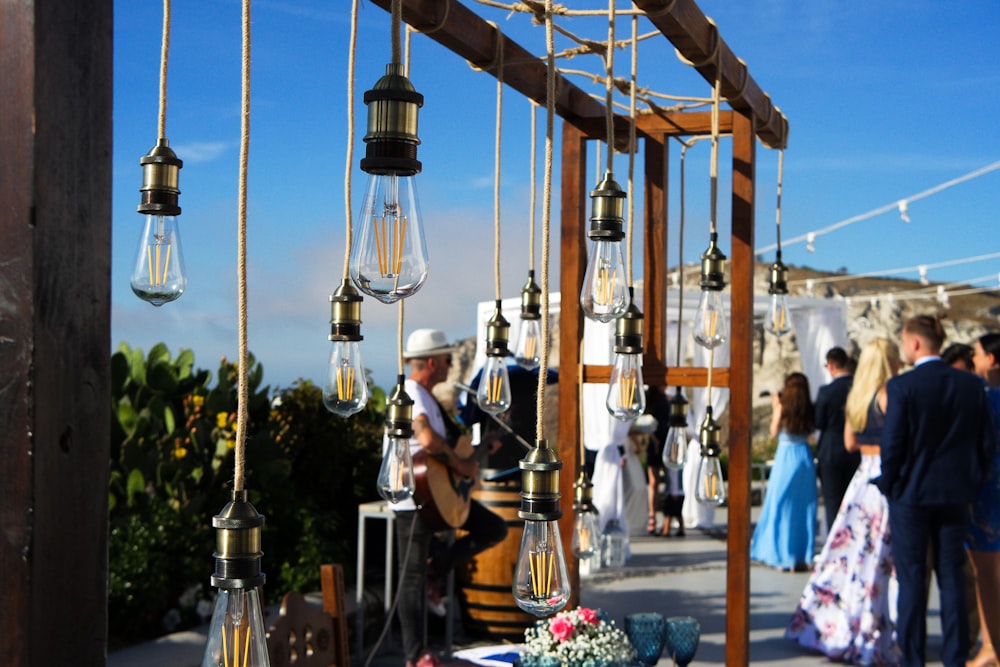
(426,343)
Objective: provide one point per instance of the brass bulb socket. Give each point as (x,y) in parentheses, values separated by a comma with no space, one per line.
(607,211)
(531,299)
(497,334)
(160,178)
(345,313)
(628,330)
(678,410)
(778,280)
(709,436)
(713,266)
(540,484)
(237,541)
(393,111)
(399,412)
(583,494)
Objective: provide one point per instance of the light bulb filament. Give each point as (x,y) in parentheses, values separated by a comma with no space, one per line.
(711,324)
(626,389)
(542,563)
(606,277)
(389,250)
(530,346)
(493,388)
(345,386)
(236,662)
(157,276)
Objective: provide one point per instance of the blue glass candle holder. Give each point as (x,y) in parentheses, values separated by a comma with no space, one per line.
(647,632)
(682,635)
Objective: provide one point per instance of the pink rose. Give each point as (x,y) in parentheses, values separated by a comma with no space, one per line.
(589,615)
(561,628)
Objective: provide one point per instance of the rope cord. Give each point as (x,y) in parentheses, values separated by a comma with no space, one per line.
(399,335)
(533,161)
(579,413)
(907,269)
(161,127)
(243,390)
(396,10)
(680,258)
(632,147)
(609,85)
(348,169)
(496,168)
(777,211)
(714,168)
(550,96)
(711,365)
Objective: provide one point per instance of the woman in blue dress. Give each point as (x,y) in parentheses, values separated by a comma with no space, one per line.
(786,530)
(983,540)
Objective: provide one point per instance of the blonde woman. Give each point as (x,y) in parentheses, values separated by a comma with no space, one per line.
(846,610)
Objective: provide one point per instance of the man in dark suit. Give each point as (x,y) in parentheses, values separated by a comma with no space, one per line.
(836,464)
(935,450)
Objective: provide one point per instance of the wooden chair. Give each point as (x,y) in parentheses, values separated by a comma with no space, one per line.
(304,636)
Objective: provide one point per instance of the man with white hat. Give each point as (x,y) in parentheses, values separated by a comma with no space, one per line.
(428,353)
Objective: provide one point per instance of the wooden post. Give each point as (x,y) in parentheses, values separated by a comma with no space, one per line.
(740,401)
(55,343)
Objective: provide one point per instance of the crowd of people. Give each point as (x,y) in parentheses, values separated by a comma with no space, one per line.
(924,497)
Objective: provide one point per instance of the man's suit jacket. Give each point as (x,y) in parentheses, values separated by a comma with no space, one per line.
(829,414)
(938,438)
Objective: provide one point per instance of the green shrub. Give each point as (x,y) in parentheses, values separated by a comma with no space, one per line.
(172,470)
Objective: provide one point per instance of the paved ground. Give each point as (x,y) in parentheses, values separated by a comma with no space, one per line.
(674,576)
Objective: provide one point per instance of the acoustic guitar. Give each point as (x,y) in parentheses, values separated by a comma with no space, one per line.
(441,494)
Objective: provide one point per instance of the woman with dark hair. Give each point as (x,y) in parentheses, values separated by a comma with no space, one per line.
(983,540)
(786,530)
(958,355)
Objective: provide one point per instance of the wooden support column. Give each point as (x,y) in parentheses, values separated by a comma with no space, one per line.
(573,264)
(740,401)
(55,319)
(654,258)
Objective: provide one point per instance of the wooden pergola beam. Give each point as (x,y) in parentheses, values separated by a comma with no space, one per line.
(697,38)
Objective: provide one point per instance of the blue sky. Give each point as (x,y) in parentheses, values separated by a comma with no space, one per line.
(885,100)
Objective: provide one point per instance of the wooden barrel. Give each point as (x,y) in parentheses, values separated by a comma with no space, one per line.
(488,606)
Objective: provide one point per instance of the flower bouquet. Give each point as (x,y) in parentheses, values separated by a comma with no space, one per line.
(581,637)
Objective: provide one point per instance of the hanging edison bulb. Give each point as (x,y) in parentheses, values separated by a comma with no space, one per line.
(586,522)
(395,476)
(528,349)
(346,390)
(778,322)
(626,399)
(236,634)
(711,327)
(389,254)
(604,296)
(158,275)
(676,444)
(541,580)
(493,394)
(711,488)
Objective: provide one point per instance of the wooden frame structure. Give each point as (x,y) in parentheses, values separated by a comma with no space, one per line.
(753,117)
(55,192)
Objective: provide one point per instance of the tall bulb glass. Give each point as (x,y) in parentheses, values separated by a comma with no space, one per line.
(493,393)
(158,274)
(711,327)
(236,635)
(346,390)
(778,322)
(541,580)
(626,399)
(586,533)
(529,345)
(711,489)
(395,476)
(675,447)
(389,253)
(604,296)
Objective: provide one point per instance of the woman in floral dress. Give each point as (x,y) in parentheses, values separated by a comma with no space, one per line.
(847,610)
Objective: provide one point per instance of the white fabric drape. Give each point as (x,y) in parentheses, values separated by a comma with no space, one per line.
(816,331)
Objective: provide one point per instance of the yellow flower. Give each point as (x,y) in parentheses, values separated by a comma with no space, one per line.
(231,444)
(180,452)
(222,419)
(198,400)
